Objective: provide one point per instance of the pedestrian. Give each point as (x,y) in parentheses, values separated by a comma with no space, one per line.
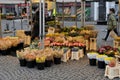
(112,23)
(35,30)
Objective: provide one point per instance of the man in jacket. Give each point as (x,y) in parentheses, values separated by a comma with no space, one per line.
(112,23)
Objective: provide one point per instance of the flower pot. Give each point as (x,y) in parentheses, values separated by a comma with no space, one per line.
(22,62)
(92,62)
(20,46)
(13,48)
(3,52)
(57,60)
(30,64)
(48,63)
(101,64)
(40,66)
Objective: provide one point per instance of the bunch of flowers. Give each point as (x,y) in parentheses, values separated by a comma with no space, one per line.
(92,55)
(108,60)
(101,57)
(108,50)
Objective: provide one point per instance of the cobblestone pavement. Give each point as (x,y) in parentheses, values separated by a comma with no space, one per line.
(72,70)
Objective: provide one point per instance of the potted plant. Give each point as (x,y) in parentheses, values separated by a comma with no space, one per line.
(40,61)
(21,57)
(30,58)
(108,60)
(101,62)
(92,58)
(57,57)
(48,61)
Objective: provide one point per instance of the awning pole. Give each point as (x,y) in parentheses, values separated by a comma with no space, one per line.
(82,13)
(0,26)
(40,23)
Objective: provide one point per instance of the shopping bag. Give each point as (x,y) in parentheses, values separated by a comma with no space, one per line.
(113,34)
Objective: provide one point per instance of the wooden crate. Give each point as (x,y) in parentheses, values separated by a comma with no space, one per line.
(87,44)
(116,44)
(93,44)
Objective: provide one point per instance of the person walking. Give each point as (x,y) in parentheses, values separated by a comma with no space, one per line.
(112,23)
(35,30)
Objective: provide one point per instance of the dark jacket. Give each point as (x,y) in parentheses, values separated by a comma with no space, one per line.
(35,31)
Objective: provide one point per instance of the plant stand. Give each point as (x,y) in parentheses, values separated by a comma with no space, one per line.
(116,44)
(112,72)
(66,56)
(76,55)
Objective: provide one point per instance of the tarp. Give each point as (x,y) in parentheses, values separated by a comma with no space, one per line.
(11,1)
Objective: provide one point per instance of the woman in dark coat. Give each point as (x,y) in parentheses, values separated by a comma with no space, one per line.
(35,30)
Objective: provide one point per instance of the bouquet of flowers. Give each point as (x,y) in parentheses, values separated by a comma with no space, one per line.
(108,50)
(108,60)
(101,57)
(92,55)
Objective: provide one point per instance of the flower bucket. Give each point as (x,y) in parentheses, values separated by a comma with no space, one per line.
(30,64)
(57,60)
(22,62)
(3,52)
(40,66)
(20,46)
(101,64)
(48,63)
(92,62)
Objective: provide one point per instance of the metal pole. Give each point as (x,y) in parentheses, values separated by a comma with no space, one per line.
(76,13)
(55,13)
(82,13)
(43,24)
(63,14)
(40,22)
(0,26)
(119,19)
(31,16)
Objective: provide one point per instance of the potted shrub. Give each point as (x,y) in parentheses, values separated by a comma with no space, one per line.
(101,62)
(92,58)
(30,58)
(48,61)
(40,61)
(57,57)
(21,57)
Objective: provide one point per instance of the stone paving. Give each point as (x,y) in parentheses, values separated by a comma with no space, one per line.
(72,70)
